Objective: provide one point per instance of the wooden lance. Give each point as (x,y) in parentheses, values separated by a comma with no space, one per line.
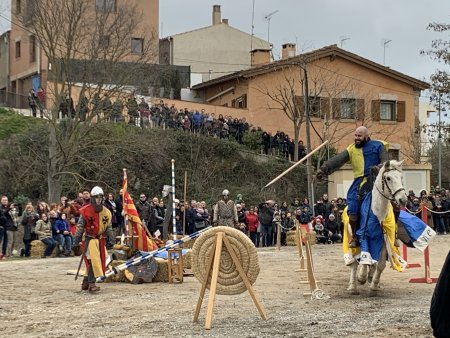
(296,164)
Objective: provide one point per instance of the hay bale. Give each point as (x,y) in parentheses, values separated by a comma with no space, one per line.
(187,260)
(38,248)
(292,239)
(163,271)
(188,244)
(120,276)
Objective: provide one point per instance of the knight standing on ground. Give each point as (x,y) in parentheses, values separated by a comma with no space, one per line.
(94,225)
(225,211)
(364,154)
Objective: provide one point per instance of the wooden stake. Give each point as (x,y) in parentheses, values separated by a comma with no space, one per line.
(205,283)
(215,275)
(214,263)
(278,236)
(244,277)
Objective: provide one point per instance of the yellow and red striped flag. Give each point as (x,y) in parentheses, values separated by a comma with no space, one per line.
(141,240)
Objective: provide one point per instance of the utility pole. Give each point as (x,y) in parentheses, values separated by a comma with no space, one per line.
(308,140)
(439,144)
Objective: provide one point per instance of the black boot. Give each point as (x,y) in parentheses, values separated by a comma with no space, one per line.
(85,285)
(354,243)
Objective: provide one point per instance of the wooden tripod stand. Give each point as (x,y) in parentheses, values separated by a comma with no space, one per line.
(214,262)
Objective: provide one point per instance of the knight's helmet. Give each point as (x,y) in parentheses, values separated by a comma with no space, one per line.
(97,192)
(225,194)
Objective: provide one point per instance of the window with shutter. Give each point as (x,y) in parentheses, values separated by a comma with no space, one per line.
(388,111)
(348,108)
(314,106)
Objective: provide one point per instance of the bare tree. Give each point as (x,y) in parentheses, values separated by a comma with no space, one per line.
(88,52)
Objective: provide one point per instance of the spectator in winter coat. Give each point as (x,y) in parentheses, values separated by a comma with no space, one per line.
(266,215)
(6,224)
(251,219)
(333,228)
(62,235)
(44,231)
(29,219)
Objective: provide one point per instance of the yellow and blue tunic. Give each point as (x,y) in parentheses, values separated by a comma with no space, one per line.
(372,153)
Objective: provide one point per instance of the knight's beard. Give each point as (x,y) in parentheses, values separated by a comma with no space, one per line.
(97,207)
(360,144)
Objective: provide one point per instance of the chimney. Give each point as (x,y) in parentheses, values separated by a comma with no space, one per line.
(260,57)
(225,21)
(216,15)
(287,50)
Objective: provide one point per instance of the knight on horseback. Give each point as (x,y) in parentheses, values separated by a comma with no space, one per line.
(365,156)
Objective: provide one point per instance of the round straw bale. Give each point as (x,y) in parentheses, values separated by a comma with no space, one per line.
(229,281)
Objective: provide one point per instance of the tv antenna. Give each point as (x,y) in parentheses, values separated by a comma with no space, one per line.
(343,39)
(268,17)
(385,43)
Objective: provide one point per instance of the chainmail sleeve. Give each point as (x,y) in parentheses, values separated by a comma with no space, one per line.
(335,162)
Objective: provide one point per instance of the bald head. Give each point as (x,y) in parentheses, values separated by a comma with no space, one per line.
(361,136)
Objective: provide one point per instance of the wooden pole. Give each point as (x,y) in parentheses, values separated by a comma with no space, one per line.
(278,236)
(296,164)
(184,199)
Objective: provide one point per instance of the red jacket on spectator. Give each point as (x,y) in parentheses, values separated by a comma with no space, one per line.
(252,222)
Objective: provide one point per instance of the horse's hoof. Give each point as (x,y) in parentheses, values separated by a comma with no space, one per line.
(353,290)
(362,281)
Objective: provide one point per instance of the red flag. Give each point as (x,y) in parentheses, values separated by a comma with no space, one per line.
(141,240)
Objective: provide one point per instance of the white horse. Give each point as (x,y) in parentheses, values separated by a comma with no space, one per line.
(387,188)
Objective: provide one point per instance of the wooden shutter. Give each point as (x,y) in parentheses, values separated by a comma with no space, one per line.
(233,103)
(336,108)
(300,102)
(360,111)
(376,105)
(401,111)
(325,107)
(244,101)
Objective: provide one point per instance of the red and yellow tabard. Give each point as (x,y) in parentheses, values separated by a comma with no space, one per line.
(95,223)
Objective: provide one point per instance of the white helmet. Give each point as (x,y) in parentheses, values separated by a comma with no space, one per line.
(225,192)
(96,191)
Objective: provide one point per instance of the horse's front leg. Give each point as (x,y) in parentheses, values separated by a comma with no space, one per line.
(352,283)
(363,271)
(380,266)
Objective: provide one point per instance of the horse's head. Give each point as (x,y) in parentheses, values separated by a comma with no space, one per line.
(390,182)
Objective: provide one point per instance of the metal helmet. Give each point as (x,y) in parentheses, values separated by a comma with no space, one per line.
(96,191)
(225,192)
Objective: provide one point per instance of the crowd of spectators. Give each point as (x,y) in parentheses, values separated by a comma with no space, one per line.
(54,224)
(161,115)
(437,203)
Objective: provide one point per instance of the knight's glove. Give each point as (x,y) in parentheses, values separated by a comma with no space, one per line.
(76,242)
(375,170)
(109,245)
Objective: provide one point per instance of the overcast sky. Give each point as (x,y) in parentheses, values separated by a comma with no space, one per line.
(316,23)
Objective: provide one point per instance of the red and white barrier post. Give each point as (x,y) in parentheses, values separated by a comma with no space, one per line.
(426,254)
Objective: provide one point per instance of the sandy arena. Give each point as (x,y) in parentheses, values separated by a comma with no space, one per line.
(38,299)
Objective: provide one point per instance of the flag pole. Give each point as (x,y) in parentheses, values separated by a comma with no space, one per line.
(127,230)
(174,221)
(296,164)
(184,201)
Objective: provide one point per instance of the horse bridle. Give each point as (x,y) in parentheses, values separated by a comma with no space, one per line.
(385,183)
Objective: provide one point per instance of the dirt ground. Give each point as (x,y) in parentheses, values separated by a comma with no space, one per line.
(39,299)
